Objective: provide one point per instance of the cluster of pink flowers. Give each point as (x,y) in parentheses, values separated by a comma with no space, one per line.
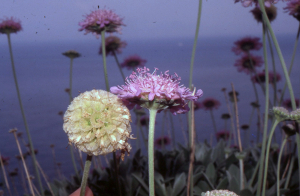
(246,44)
(247,3)
(133,62)
(10,25)
(144,89)
(248,64)
(100,20)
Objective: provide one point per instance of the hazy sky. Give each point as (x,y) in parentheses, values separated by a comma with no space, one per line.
(58,20)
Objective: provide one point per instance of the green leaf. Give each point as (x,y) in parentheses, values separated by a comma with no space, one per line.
(246,192)
(211,173)
(179,184)
(203,186)
(223,184)
(141,181)
(234,185)
(160,188)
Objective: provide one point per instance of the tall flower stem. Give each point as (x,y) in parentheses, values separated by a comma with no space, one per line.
(278,165)
(85,176)
(152,113)
(292,62)
(119,66)
(192,155)
(214,122)
(24,117)
(4,175)
(267,157)
(104,60)
(23,161)
(262,159)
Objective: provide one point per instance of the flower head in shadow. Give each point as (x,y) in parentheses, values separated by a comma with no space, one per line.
(293,7)
(10,25)
(113,45)
(248,65)
(271,13)
(159,142)
(210,104)
(100,20)
(97,122)
(288,103)
(133,62)
(161,91)
(262,78)
(246,44)
(223,135)
(144,121)
(71,54)
(197,105)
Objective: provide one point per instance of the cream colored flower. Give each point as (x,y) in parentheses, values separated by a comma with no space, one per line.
(97,122)
(219,193)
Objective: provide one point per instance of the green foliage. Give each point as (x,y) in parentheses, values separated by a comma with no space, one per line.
(212,171)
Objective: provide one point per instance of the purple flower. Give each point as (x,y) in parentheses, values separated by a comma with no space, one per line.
(133,62)
(288,103)
(261,77)
(246,44)
(113,45)
(162,140)
(293,7)
(244,64)
(223,134)
(247,3)
(210,103)
(100,20)
(160,91)
(10,25)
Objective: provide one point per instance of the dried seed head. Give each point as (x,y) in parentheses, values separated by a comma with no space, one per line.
(281,113)
(97,122)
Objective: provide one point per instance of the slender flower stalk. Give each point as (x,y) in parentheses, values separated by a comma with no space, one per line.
(152,113)
(192,153)
(23,161)
(278,165)
(4,174)
(85,176)
(262,159)
(104,59)
(119,66)
(46,179)
(24,117)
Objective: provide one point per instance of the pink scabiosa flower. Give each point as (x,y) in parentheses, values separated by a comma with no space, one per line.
(288,103)
(271,13)
(246,44)
(113,45)
(210,104)
(244,64)
(10,25)
(163,91)
(261,77)
(293,7)
(247,3)
(159,142)
(223,134)
(100,20)
(133,62)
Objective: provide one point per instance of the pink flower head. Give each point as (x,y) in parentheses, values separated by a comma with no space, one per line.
(113,45)
(162,140)
(150,90)
(134,61)
(100,20)
(246,44)
(288,103)
(223,135)
(293,7)
(244,64)
(10,25)
(261,77)
(247,3)
(210,103)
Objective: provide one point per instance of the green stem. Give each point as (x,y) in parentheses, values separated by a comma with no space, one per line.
(292,62)
(24,118)
(288,81)
(214,122)
(104,60)
(278,165)
(262,159)
(73,160)
(298,149)
(85,176)
(119,66)
(288,178)
(253,175)
(71,69)
(116,165)
(267,157)
(152,114)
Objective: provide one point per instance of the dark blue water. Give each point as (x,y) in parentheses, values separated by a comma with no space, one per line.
(43,74)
